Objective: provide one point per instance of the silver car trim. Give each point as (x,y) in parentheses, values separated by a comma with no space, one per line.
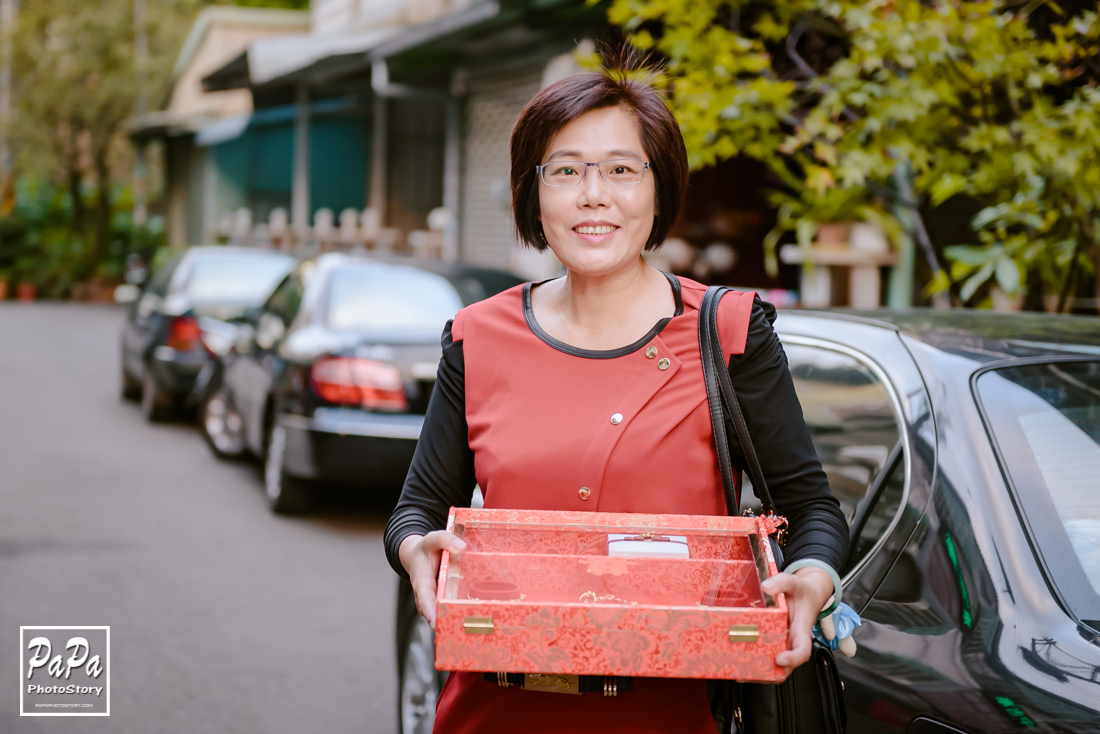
(402,426)
(899,416)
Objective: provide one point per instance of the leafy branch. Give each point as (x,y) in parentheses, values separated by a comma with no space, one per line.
(994,100)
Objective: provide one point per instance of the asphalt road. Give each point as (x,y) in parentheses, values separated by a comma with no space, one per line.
(224,617)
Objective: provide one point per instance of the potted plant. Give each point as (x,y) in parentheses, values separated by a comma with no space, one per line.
(26,278)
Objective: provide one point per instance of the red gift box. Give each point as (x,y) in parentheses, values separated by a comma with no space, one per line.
(538,592)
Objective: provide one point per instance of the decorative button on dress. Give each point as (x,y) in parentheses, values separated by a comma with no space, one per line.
(539,424)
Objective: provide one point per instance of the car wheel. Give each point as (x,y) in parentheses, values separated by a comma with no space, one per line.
(221,425)
(130,389)
(419,683)
(156,404)
(285,494)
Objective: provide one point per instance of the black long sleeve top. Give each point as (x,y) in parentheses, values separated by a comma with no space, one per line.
(442,470)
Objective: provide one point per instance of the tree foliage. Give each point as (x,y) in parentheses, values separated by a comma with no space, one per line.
(995,100)
(76,86)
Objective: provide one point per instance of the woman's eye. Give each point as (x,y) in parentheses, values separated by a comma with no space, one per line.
(565,171)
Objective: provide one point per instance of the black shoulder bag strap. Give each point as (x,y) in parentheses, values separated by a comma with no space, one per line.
(810,701)
(724,408)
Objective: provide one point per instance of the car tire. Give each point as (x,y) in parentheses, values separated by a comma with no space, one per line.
(221,425)
(285,494)
(418,682)
(156,404)
(130,389)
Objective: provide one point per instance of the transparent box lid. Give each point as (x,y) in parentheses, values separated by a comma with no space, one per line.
(558,563)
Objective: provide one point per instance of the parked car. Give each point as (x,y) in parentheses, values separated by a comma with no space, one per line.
(964,449)
(162,352)
(328,381)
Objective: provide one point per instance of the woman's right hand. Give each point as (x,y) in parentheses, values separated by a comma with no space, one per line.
(420,555)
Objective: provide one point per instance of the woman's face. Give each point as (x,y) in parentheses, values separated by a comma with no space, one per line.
(597,228)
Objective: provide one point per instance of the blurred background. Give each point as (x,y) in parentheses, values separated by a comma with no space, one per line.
(912,158)
(253,220)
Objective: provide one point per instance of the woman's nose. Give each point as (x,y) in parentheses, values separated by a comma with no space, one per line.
(593,189)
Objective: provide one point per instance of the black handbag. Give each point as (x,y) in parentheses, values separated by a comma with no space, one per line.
(811,700)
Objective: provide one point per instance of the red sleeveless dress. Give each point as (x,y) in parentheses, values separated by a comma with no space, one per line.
(539,416)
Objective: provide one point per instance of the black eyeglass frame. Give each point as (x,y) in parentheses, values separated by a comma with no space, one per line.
(646,166)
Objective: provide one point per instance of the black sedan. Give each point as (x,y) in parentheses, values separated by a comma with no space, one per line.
(965,451)
(162,352)
(328,381)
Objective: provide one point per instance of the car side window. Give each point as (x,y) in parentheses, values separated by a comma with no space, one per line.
(286,300)
(155,290)
(855,430)
(158,284)
(879,508)
(278,313)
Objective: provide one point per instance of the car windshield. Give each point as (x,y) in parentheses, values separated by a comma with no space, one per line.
(244,278)
(391,302)
(1045,420)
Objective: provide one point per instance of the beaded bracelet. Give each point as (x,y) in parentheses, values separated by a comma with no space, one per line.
(837,586)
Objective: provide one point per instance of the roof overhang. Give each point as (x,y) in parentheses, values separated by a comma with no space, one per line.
(449,26)
(231,75)
(230,15)
(494,31)
(164,124)
(209,130)
(479,33)
(302,58)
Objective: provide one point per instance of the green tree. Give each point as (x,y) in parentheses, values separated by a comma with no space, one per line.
(859,108)
(76,85)
(75,89)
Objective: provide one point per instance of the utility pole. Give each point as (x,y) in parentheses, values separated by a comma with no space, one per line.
(141,106)
(9,17)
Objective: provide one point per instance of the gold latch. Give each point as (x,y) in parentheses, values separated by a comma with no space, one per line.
(744,633)
(549,683)
(479,625)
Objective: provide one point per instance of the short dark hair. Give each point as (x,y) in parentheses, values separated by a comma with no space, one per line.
(617,84)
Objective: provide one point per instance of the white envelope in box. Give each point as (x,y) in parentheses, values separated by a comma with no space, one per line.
(632,545)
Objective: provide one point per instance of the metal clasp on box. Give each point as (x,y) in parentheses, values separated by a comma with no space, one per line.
(480,625)
(744,633)
(552,683)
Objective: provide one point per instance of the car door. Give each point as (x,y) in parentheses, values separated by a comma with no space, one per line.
(251,376)
(870,416)
(966,633)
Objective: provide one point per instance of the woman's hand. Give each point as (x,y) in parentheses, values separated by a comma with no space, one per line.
(807,590)
(420,555)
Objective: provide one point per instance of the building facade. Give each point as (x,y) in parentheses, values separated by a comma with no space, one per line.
(403,110)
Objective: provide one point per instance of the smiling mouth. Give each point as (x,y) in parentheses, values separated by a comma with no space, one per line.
(602,229)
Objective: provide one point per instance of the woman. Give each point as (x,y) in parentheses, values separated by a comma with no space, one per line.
(586,392)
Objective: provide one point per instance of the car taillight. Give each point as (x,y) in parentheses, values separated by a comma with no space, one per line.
(353,381)
(183,333)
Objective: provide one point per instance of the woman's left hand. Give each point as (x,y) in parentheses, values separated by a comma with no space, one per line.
(806,591)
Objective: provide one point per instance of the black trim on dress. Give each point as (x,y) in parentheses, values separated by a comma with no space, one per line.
(529,315)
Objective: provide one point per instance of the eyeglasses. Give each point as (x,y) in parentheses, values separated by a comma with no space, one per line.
(617,172)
